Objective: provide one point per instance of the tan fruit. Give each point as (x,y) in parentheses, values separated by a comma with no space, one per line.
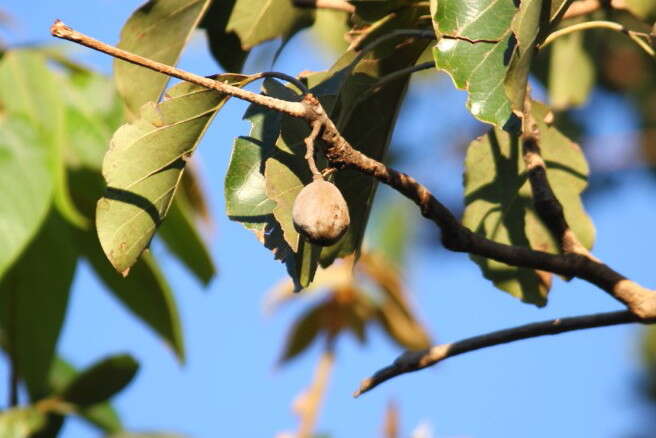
(320,213)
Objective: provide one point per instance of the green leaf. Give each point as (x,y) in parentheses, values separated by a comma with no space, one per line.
(26,175)
(245,186)
(32,90)
(182,239)
(642,8)
(33,299)
(93,112)
(475,47)
(21,422)
(527,26)
(144,164)
(571,86)
(256,21)
(499,205)
(101,381)
(145,292)
(158,30)
(347,92)
(101,415)
(225,46)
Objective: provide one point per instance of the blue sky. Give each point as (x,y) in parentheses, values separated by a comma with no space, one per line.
(580,384)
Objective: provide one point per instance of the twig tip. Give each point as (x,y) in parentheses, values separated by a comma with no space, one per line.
(59,29)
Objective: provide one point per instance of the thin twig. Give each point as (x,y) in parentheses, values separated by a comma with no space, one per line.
(414,361)
(295,109)
(635,36)
(338,5)
(455,237)
(309,151)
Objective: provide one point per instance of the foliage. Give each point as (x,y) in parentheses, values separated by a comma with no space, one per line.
(94,171)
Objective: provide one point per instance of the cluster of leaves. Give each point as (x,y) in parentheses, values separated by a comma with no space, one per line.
(55,123)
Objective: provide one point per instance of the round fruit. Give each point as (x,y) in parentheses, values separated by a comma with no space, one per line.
(320,213)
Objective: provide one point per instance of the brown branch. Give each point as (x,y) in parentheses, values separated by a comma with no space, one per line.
(641,301)
(414,361)
(337,5)
(546,204)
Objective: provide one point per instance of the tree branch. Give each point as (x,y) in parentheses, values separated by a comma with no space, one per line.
(641,301)
(414,361)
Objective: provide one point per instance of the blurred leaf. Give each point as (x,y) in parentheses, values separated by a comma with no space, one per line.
(478,67)
(26,194)
(304,331)
(101,381)
(94,112)
(191,191)
(499,205)
(144,164)
(256,21)
(21,422)
(158,30)
(394,226)
(181,237)
(642,8)
(224,45)
(27,176)
(145,292)
(30,89)
(330,28)
(393,310)
(102,415)
(571,86)
(33,299)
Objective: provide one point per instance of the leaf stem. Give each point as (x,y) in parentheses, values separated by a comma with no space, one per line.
(414,361)
(635,36)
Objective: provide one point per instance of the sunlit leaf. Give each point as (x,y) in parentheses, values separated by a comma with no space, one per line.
(499,205)
(21,422)
(101,381)
(144,164)
(256,21)
(475,48)
(33,298)
(101,415)
(29,88)
(158,30)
